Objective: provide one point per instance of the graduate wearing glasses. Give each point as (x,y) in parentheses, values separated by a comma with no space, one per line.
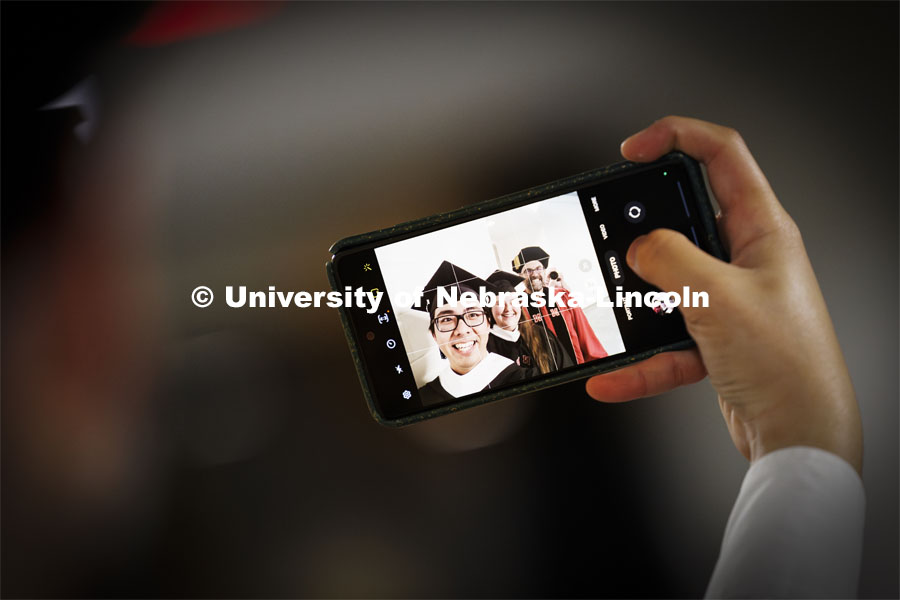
(461,331)
(569,325)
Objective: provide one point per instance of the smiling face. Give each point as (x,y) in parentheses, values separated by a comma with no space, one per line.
(533,272)
(466,345)
(506,315)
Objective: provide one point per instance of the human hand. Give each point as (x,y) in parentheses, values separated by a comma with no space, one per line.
(555,279)
(765,339)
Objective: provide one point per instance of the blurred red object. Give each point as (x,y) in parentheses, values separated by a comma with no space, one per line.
(168,22)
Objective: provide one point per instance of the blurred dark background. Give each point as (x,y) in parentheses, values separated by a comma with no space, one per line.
(152,448)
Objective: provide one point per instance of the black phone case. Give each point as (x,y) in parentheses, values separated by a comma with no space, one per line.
(707,218)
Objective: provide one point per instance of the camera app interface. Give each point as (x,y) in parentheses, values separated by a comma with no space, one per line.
(489,303)
(520,294)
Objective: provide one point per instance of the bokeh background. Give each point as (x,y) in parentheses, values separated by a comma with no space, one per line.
(152,448)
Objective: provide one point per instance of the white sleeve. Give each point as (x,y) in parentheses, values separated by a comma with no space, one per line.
(795,530)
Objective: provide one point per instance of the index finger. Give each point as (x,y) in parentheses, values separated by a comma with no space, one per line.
(657,374)
(749,206)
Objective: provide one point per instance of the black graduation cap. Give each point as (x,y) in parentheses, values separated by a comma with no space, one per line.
(504,281)
(448,276)
(529,254)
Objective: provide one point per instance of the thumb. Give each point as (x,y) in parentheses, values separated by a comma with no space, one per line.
(668,260)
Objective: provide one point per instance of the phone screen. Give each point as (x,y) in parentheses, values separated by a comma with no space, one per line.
(430,344)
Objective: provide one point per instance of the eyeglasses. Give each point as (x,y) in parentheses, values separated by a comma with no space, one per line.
(448,323)
(538,269)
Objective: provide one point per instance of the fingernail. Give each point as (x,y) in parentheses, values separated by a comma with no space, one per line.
(633,154)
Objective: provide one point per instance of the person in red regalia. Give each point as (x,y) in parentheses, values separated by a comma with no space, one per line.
(568,324)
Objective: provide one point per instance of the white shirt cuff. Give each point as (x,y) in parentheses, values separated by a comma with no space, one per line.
(795,530)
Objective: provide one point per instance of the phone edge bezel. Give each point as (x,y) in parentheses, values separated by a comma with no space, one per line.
(706,217)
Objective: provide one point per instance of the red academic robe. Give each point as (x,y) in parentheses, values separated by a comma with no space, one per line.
(585,344)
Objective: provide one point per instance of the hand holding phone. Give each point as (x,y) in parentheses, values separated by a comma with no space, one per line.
(766,339)
(441,343)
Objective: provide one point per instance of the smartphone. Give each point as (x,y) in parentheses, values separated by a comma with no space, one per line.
(518,293)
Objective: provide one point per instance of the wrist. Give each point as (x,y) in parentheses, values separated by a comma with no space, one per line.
(837,430)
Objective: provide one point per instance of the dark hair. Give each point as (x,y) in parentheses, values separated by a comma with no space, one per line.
(537,344)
